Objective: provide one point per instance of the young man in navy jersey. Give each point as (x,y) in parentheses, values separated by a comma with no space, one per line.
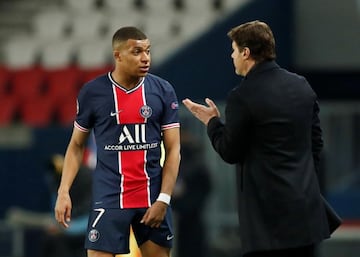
(131,112)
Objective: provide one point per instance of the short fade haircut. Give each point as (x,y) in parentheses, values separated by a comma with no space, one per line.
(258,37)
(125,33)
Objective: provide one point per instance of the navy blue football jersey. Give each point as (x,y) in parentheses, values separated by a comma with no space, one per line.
(128,127)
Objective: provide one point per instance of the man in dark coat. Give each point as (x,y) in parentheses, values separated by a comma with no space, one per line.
(272,133)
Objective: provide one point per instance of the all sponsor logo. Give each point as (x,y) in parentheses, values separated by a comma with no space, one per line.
(137,136)
(132,138)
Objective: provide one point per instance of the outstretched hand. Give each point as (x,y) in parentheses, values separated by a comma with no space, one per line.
(202,112)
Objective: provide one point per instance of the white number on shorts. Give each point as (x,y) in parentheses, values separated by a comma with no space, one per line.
(101,212)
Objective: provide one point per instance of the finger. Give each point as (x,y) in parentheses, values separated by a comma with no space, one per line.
(187,100)
(66,225)
(210,103)
(60,218)
(63,221)
(192,106)
(58,215)
(143,220)
(188,103)
(67,217)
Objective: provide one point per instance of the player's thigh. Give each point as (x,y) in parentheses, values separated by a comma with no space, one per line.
(150,249)
(94,253)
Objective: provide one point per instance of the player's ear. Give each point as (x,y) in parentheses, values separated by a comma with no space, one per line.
(117,55)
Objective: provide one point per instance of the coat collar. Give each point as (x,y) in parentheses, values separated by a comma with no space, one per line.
(261,67)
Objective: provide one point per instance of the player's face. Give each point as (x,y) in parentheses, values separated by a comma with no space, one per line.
(238,59)
(135,57)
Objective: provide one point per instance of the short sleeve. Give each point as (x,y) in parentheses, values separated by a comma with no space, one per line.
(170,117)
(84,120)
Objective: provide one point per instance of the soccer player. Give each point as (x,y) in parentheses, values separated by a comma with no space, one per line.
(130,112)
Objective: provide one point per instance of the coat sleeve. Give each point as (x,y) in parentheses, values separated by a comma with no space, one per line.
(229,139)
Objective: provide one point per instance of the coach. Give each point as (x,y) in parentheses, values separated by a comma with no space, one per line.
(272,133)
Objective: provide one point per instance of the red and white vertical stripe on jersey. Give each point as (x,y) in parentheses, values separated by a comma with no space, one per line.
(132,164)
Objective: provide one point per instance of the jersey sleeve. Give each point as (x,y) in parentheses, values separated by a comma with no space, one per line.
(171,108)
(84,121)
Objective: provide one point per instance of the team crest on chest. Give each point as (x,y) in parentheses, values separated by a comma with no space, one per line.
(145,111)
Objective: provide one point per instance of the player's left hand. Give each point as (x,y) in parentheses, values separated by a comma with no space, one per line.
(155,214)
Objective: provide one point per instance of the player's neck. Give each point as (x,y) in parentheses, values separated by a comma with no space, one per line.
(128,82)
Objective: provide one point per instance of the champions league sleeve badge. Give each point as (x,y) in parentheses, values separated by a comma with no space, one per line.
(145,111)
(174,105)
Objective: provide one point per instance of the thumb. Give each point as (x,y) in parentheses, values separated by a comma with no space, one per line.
(210,103)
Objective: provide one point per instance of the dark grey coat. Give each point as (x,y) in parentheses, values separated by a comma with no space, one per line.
(272,133)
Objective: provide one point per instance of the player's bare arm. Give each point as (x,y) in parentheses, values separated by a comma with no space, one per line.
(72,162)
(171,139)
(155,214)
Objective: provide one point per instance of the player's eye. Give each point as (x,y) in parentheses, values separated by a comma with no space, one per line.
(136,52)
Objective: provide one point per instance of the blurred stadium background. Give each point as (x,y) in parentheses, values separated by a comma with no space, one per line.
(49,48)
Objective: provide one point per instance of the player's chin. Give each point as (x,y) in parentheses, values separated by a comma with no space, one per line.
(143,73)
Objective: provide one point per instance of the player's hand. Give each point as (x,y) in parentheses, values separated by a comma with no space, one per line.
(202,112)
(63,209)
(155,214)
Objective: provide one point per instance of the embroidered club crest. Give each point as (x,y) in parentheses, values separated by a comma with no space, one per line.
(145,111)
(94,235)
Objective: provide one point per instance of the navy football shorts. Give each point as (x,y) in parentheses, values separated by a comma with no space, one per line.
(109,230)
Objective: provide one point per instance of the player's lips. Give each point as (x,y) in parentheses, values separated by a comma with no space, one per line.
(145,68)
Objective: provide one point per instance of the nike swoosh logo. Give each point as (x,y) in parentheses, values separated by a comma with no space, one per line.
(115,113)
(169,237)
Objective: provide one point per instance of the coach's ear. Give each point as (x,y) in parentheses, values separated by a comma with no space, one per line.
(246,52)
